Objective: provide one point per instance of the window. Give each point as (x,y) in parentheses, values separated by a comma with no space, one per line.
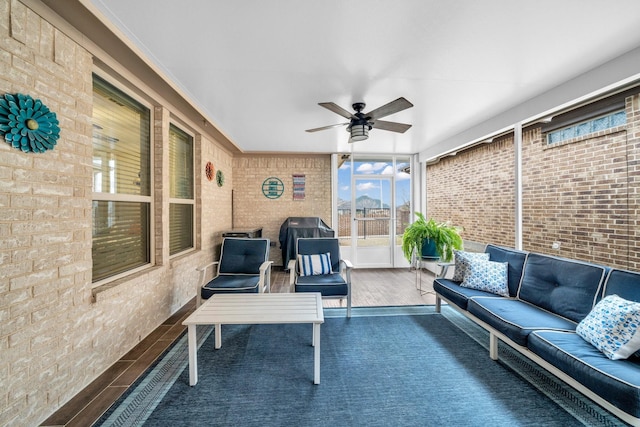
(597,116)
(181,200)
(609,121)
(121,182)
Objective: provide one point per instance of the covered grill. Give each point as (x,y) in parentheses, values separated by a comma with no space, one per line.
(294,227)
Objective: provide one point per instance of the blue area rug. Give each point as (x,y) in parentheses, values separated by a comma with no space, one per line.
(391,366)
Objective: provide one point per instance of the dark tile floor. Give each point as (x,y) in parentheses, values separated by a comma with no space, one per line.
(88,406)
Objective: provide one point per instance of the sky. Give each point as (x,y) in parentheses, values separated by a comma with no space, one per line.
(368,182)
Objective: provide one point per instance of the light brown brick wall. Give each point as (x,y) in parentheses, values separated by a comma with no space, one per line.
(56,333)
(475,190)
(583,193)
(252,209)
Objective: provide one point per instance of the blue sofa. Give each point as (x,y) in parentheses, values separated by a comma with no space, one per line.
(548,297)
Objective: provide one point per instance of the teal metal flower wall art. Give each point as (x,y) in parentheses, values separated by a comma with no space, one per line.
(27,124)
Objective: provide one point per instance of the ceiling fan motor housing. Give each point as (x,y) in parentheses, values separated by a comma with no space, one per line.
(359,119)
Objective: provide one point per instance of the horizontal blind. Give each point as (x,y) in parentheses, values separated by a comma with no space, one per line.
(181,183)
(121,182)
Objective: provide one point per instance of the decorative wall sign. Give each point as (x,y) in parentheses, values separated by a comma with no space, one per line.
(298,186)
(208,170)
(272,188)
(28,124)
(219,178)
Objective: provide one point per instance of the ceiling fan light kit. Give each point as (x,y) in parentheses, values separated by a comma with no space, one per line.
(358,132)
(361,123)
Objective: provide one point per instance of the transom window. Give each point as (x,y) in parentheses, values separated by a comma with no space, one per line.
(598,124)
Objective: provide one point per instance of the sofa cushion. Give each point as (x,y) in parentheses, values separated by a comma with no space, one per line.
(625,284)
(613,327)
(516,319)
(516,260)
(565,287)
(616,381)
(456,294)
(487,276)
(462,260)
(311,265)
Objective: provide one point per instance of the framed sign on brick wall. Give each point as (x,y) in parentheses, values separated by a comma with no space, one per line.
(298,186)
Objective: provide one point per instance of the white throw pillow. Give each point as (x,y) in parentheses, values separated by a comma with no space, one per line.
(613,327)
(462,260)
(313,265)
(488,276)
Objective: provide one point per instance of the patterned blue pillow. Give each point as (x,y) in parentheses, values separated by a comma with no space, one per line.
(313,265)
(462,260)
(613,327)
(488,276)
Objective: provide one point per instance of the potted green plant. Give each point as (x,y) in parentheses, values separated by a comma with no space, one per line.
(442,237)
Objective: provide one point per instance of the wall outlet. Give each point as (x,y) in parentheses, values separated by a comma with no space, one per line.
(555,245)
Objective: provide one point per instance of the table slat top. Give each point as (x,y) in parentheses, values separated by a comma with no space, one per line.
(258,309)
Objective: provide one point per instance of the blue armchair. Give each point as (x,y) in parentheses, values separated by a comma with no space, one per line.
(318,268)
(244,266)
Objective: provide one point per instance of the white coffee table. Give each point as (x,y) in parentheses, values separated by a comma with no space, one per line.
(249,309)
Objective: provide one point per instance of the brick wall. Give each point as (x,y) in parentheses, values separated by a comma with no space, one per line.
(583,193)
(58,333)
(475,190)
(252,209)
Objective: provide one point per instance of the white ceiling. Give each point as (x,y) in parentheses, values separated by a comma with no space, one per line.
(258,68)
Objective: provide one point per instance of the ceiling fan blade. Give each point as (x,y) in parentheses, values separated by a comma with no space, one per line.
(336,109)
(391,126)
(326,127)
(390,108)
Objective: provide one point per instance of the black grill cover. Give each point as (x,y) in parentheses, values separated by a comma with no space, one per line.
(294,227)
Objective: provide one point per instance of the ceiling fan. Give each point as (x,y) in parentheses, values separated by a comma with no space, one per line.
(360,123)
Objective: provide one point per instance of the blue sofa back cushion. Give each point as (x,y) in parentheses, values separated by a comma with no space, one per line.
(625,284)
(243,256)
(562,286)
(516,260)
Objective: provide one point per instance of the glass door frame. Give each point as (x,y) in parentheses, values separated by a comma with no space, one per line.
(356,243)
(343,174)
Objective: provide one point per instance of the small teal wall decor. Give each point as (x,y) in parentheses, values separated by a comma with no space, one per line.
(27,123)
(272,188)
(219,178)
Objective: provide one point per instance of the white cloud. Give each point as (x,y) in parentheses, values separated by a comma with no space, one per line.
(344,188)
(365,168)
(366,186)
(387,171)
(402,176)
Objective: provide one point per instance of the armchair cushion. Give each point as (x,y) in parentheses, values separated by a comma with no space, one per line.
(231,283)
(317,264)
(327,284)
(243,255)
